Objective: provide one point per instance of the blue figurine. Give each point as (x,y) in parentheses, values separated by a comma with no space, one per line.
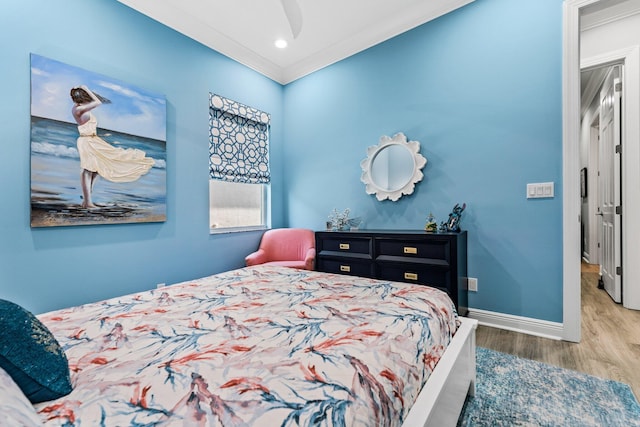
(453,224)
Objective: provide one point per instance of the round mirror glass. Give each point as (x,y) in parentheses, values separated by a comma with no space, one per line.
(392,167)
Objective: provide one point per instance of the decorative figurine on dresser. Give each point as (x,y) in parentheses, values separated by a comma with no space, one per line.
(425,258)
(431,226)
(453,224)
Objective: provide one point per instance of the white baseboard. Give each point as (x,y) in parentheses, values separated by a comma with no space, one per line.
(525,325)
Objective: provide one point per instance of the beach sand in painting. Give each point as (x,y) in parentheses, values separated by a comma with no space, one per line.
(52,215)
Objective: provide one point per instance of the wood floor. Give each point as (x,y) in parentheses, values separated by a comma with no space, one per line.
(610,345)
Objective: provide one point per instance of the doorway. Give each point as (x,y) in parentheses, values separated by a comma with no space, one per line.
(627,50)
(600,173)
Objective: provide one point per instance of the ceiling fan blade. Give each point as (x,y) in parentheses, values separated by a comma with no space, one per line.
(294,15)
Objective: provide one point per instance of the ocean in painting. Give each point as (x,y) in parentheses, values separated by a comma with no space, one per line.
(56,193)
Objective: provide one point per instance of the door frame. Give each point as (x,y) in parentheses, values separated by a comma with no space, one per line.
(571,163)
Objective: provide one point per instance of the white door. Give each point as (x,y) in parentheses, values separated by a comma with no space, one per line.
(595,226)
(610,204)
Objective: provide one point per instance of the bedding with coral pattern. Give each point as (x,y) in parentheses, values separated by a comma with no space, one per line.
(258,346)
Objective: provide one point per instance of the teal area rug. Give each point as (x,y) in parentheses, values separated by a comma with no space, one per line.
(511,391)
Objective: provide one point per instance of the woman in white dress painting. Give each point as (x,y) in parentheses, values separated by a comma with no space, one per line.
(97,157)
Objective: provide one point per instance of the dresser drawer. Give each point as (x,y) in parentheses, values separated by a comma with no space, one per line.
(346,244)
(345,266)
(411,273)
(435,249)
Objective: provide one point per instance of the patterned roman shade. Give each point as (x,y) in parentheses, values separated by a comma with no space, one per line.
(238,142)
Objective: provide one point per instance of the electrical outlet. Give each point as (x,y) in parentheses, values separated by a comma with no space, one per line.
(472,284)
(161,285)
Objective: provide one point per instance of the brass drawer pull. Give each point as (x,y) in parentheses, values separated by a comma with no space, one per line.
(344,246)
(411,276)
(410,250)
(345,268)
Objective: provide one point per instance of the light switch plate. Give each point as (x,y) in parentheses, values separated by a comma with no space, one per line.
(540,190)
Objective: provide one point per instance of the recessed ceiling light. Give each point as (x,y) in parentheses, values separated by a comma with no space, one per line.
(281,43)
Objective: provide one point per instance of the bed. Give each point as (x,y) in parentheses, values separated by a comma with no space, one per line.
(265,346)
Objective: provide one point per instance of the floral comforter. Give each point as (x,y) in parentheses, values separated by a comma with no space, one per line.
(258,346)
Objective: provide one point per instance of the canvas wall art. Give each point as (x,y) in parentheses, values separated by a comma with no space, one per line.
(98,148)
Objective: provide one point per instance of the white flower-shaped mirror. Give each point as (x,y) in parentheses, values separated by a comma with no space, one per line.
(393,167)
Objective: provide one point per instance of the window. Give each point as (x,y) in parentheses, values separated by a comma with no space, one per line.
(238,166)
(237,206)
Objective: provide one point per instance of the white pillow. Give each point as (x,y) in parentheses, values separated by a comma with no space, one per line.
(15,408)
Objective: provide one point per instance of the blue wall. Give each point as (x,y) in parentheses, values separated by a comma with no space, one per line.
(49,268)
(480,88)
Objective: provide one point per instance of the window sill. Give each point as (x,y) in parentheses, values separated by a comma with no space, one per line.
(226,230)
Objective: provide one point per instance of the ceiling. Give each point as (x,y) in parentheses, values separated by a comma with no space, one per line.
(245,30)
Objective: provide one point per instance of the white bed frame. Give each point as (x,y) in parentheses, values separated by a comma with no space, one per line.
(440,402)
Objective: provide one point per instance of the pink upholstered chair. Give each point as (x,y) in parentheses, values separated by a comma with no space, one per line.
(289,247)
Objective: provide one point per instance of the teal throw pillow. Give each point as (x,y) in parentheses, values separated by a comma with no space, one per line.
(31,355)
